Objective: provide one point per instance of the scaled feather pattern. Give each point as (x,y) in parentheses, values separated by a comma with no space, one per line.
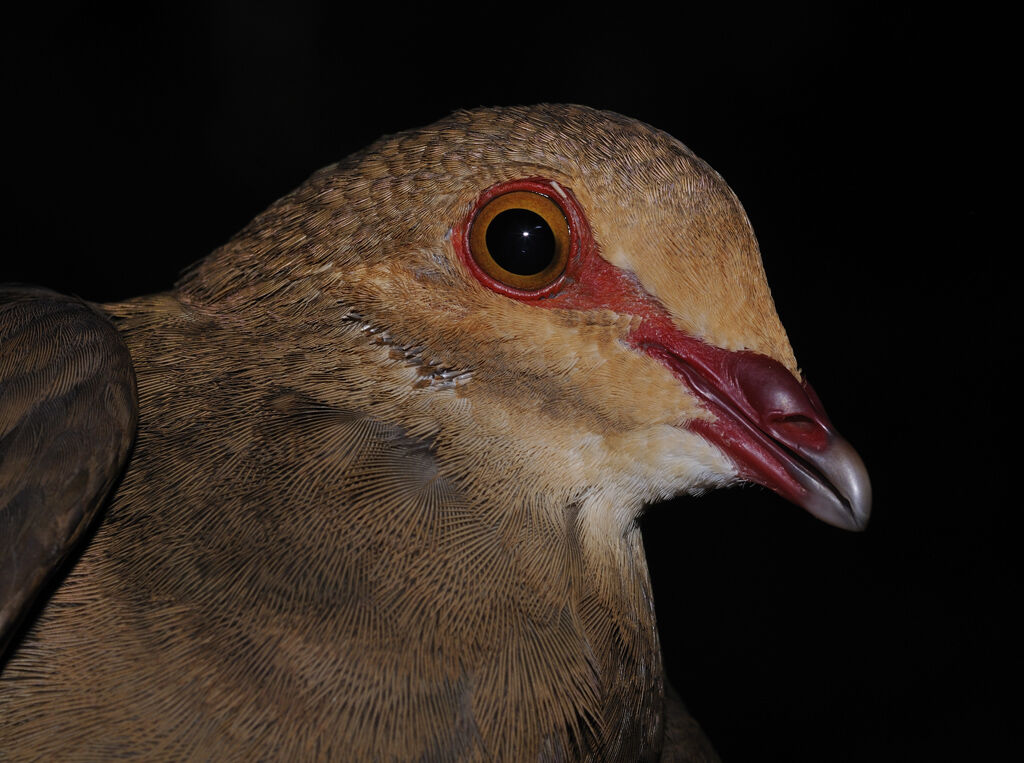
(379,506)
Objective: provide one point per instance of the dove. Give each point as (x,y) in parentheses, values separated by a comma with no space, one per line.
(365,483)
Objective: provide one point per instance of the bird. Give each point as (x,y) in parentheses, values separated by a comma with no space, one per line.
(365,483)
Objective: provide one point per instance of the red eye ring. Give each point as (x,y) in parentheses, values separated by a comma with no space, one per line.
(578,232)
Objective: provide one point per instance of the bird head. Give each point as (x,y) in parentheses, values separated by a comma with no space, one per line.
(566,299)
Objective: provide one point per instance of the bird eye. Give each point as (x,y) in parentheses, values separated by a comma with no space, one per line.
(521,239)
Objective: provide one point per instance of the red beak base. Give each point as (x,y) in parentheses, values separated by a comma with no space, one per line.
(771,425)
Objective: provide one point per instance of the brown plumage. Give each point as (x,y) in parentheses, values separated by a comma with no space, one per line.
(379,510)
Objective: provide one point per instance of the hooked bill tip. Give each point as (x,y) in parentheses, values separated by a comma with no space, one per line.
(840,492)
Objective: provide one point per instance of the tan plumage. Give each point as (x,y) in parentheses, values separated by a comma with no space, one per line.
(378,511)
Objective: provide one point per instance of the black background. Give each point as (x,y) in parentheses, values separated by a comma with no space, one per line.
(864,145)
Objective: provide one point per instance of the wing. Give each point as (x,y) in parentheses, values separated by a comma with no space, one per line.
(67,420)
(684,741)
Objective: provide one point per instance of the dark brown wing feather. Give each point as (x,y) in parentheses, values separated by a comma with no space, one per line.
(67,419)
(685,741)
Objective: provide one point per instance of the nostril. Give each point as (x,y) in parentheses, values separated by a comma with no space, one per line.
(795,421)
(796,429)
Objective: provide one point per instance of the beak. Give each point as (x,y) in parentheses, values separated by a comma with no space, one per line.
(771,425)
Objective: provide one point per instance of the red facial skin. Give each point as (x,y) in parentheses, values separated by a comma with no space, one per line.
(770,424)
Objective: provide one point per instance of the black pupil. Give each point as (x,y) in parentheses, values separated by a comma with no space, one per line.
(521,241)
